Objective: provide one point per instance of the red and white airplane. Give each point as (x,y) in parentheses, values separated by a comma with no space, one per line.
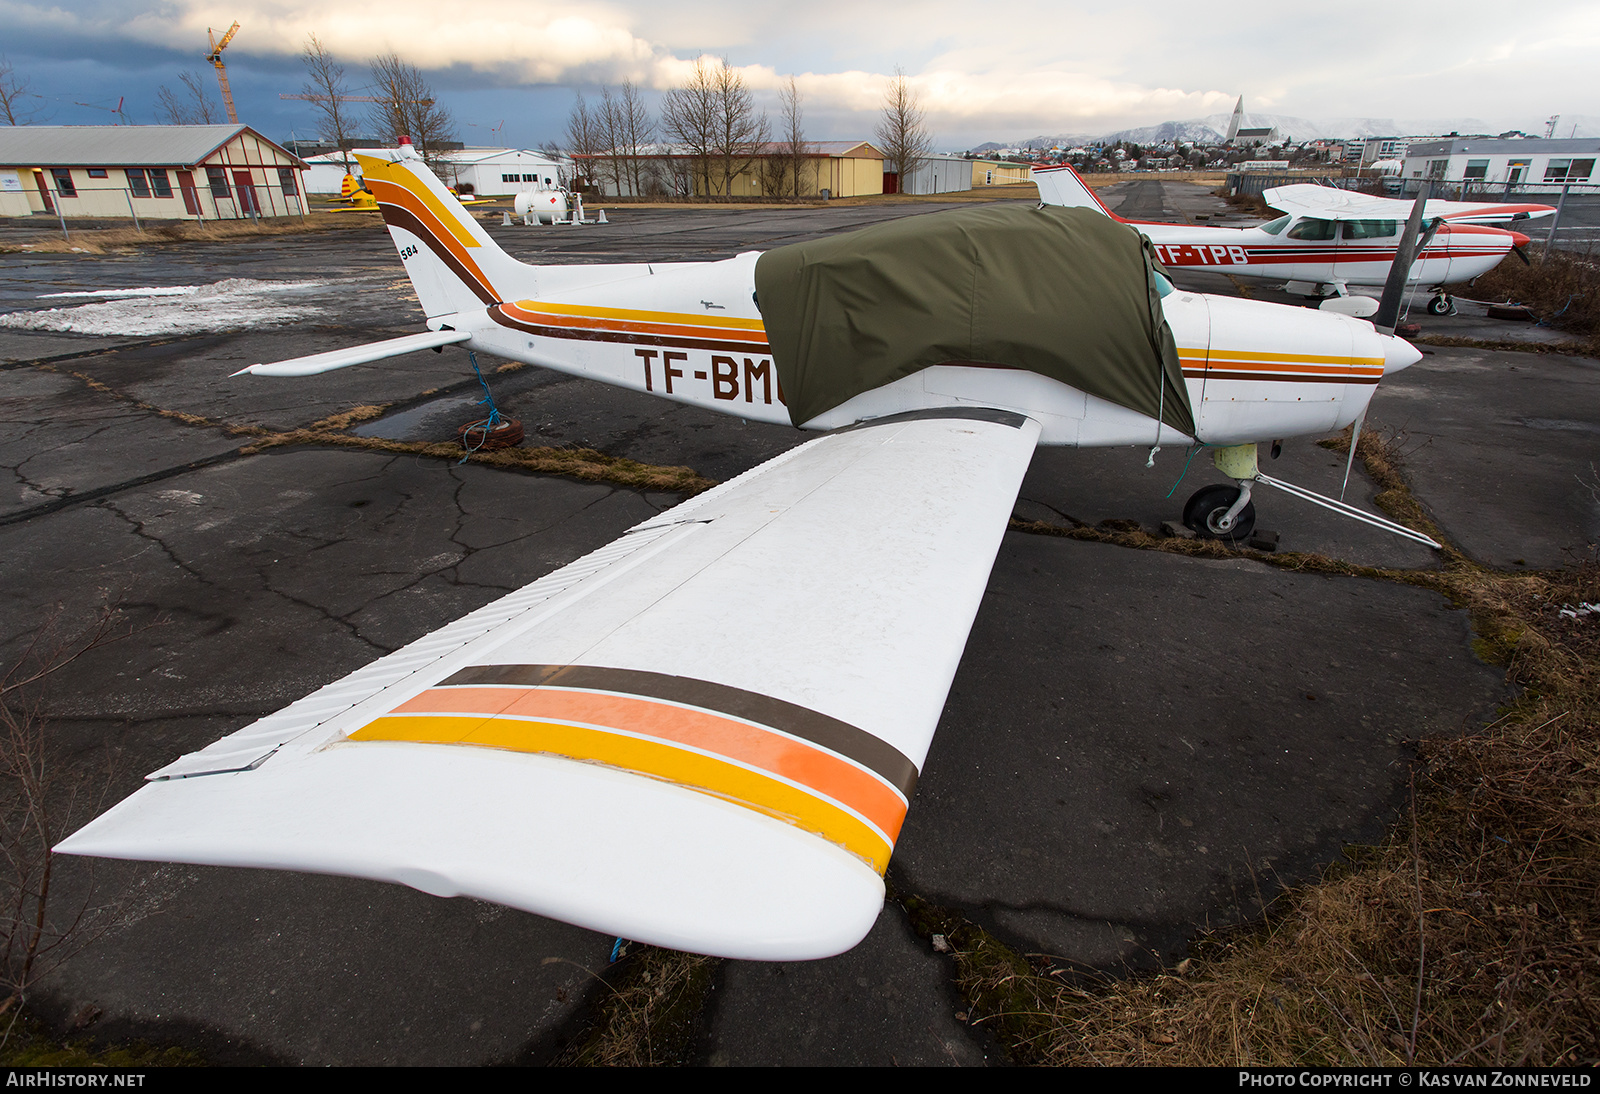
(707,733)
(1327,241)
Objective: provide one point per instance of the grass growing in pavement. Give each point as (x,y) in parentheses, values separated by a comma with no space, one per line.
(1470,936)
(1562,288)
(649,1012)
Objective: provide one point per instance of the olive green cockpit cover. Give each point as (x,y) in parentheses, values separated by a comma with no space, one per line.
(1067,293)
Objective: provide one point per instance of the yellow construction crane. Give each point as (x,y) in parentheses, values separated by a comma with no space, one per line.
(215,57)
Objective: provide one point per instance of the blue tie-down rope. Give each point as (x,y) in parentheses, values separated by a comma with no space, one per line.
(1185,471)
(491,422)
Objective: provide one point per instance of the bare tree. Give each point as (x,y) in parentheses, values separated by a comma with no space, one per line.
(638,131)
(15,91)
(791,149)
(326,89)
(742,134)
(585,142)
(408,109)
(902,134)
(714,121)
(609,120)
(689,120)
(192,107)
(39,799)
(626,130)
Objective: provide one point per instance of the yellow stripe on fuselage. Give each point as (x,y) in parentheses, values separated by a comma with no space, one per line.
(630,315)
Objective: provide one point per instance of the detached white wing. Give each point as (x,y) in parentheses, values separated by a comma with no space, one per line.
(703,736)
(1307,199)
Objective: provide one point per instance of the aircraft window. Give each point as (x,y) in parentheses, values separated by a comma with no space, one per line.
(1370,229)
(1164,287)
(1276,226)
(1312,228)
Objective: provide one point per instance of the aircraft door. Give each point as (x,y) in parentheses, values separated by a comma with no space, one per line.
(1367,247)
(1312,244)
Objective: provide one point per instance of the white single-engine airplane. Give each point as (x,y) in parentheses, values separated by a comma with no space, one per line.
(706,734)
(1328,240)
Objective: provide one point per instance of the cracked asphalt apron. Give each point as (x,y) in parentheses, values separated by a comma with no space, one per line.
(1137,745)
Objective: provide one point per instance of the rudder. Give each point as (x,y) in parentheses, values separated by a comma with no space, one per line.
(1065,187)
(453,263)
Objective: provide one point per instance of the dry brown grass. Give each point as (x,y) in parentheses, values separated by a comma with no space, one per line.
(578,463)
(1562,289)
(649,1012)
(1470,936)
(99,240)
(1253,204)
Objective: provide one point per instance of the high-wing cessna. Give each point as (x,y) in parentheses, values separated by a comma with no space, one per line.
(706,734)
(1328,240)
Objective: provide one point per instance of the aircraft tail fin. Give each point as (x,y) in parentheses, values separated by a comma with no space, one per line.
(453,263)
(1064,186)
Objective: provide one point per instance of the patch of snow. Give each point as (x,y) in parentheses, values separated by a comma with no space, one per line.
(235,304)
(176,290)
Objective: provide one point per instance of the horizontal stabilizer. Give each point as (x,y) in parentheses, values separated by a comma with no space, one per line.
(356,355)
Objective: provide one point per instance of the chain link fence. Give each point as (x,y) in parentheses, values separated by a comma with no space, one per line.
(253,201)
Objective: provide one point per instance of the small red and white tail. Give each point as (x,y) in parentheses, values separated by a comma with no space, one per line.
(1064,186)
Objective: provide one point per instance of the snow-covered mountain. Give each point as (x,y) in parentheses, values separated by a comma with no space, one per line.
(1213,128)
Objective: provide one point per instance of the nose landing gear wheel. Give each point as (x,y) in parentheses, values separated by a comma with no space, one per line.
(1210,504)
(1441,305)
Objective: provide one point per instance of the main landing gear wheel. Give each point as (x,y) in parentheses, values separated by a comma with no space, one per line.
(1441,305)
(1210,504)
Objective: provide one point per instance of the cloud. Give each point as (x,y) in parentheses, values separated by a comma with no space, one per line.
(1044,66)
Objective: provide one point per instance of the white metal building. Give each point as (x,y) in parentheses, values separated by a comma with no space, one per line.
(157,172)
(1531,164)
(485,172)
(940,174)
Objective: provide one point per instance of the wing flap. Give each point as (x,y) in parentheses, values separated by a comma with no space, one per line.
(704,735)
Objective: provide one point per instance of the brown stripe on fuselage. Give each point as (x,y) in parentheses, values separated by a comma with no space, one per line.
(499,315)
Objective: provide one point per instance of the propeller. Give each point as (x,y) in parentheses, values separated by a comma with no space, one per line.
(1412,242)
(1519,253)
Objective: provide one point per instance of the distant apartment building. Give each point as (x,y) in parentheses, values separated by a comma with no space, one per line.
(1532,165)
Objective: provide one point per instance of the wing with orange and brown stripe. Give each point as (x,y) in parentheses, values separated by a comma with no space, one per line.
(705,735)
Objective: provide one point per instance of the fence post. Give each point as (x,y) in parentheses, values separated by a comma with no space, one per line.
(129,195)
(1550,239)
(61,216)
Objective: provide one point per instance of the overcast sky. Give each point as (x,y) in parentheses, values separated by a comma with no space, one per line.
(1036,67)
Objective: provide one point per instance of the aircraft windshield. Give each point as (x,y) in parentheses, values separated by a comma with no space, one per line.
(1370,229)
(1274,227)
(1312,228)
(1164,287)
